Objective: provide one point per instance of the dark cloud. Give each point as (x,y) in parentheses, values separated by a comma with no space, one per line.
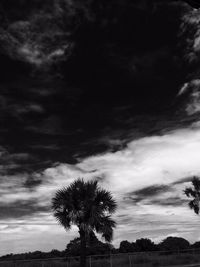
(183,180)
(152,195)
(118,83)
(147,194)
(49,126)
(47,147)
(172,201)
(21,209)
(13,163)
(193,3)
(151,191)
(32,182)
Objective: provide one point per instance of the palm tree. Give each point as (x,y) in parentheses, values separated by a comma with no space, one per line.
(194,192)
(87,206)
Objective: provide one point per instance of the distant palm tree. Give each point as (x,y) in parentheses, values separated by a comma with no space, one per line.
(87,206)
(194,192)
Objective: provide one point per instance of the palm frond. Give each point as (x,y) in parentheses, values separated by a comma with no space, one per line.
(194,192)
(194,205)
(196,183)
(86,205)
(105,227)
(189,192)
(106,201)
(62,219)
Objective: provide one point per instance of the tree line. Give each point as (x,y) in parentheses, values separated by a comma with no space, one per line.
(97,247)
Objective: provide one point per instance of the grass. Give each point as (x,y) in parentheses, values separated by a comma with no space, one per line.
(123,260)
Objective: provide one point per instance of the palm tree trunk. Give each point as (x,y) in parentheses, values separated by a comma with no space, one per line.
(83,248)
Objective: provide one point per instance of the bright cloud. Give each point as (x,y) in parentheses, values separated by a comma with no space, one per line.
(148,164)
(148,161)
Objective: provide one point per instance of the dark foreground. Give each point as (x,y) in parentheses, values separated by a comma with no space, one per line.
(186,258)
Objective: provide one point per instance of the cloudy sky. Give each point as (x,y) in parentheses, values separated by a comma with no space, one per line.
(122,108)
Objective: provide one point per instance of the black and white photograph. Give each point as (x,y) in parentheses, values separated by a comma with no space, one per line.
(99,133)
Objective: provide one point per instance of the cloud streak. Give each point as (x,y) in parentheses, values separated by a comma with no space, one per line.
(147,178)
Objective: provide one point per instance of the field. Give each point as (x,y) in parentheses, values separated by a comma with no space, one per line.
(151,259)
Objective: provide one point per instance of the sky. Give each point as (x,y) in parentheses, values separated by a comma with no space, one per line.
(120,108)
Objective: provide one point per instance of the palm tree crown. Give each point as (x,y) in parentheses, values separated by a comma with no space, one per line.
(86,205)
(194,192)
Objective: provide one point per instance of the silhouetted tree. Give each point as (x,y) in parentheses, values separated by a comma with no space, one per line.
(126,246)
(194,192)
(56,253)
(174,243)
(87,206)
(73,247)
(144,244)
(196,245)
(94,246)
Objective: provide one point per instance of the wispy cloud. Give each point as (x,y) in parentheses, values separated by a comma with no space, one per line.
(147,178)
